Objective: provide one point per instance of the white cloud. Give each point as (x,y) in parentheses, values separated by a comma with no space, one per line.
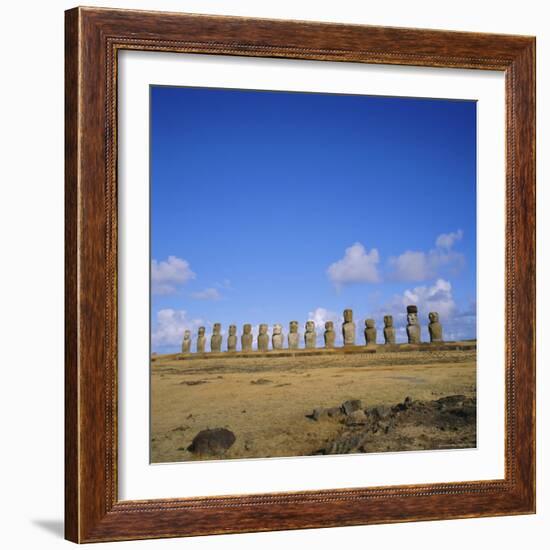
(447,240)
(357,266)
(411,266)
(420,266)
(169,326)
(212,294)
(167,275)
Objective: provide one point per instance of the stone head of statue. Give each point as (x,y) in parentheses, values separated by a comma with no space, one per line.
(329,325)
(412,315)
(202,330)
(388,321)
(369,323)
(348,315)
(247,329)
(434,317)
(217,328)
(187,335)
(293,327)
(232,330)
(277,329)
(310,326)
(263,329)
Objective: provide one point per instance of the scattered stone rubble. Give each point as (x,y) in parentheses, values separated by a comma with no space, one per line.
(446,423)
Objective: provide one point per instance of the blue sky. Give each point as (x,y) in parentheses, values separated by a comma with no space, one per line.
(273,206)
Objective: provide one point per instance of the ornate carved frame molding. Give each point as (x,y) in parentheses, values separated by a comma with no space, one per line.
(93,38)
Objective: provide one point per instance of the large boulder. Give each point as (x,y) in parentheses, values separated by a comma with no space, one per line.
(351,406)
(213,442)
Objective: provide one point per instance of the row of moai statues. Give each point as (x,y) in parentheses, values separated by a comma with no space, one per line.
(310,335)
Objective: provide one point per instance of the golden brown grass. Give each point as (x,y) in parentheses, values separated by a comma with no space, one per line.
(264,401)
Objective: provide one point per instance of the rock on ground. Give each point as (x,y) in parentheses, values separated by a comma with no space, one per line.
(446,423)
(212,442)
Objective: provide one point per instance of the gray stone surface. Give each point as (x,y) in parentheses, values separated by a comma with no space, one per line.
(352,405)
(247,338)
(186,343)
(413,328)
(356,418)
(310,337)
(232,338)
(293,335)
(348,328)
(321,413)
(370,332)
(216,338)
(389,330)
(435,328)
(212,442)
(330,335)
(277,338)
(263,338)
(201,340)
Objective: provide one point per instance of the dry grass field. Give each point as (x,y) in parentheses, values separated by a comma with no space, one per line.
(265,401)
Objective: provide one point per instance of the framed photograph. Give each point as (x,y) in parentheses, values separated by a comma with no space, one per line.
(300,275)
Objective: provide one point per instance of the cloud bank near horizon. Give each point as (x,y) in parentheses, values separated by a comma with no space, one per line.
(359,265)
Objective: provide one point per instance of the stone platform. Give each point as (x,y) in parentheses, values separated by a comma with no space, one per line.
(468,345)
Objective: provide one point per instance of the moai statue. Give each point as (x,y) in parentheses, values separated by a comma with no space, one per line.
(293,336)
(435,328)
(232,338)
(330,335)
(263,338)
(246,338)
(216,338)
(277,339)
(310,337)
(389,331)
(348,328)
(370,332)
(413,328)
(201,340)
(186,344)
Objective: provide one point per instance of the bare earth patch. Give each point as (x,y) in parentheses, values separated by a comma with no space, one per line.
(266,403)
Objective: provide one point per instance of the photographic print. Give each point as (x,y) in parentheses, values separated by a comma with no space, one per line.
(313,274)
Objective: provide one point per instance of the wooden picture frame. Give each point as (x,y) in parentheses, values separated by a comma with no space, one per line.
(93,511)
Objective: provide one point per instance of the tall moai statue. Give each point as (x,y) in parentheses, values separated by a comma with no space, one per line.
(310,336)
(348,328)
(201,340)
(216,338)
(263,338)
(330,335)
(277,339)
(413,328)
(232,338)
(389,330)
(370,332)
(293,335)
(435,328)
(186,343)
(246,338)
